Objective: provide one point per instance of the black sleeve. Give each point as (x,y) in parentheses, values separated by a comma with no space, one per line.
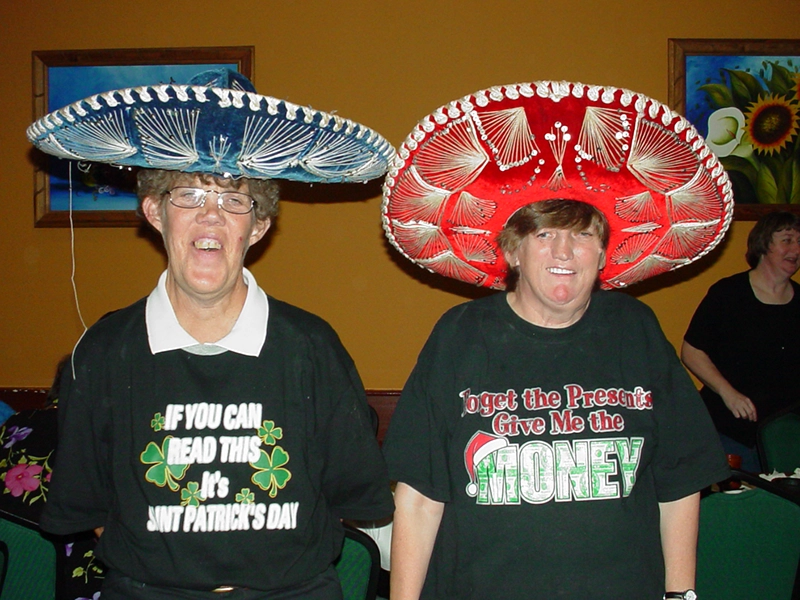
(355,479)
(80,492)
(689,455)
(703,332)
(416,444)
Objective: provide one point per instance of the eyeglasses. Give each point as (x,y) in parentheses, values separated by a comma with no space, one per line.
(235,203)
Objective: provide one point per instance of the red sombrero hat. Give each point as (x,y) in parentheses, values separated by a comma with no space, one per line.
(467,167)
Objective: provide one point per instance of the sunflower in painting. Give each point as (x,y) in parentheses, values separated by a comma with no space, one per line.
(755,131)
(771,123)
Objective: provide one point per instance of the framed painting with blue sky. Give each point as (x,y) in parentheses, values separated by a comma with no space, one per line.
(91,194)
(743,96)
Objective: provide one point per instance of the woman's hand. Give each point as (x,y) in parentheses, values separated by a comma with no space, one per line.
(740,405)
(700,364)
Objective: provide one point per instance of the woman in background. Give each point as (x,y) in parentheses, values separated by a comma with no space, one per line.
(743,342)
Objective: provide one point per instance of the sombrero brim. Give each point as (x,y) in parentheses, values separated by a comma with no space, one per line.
(467,167)
(201,129)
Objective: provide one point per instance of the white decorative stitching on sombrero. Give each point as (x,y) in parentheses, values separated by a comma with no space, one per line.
(144,95)
(558,138)
(421,240)
(181,92)
(697,200)
(508,135)
(605,136)
(684,239)
(67,114)
(637,208)
(452,161)
(254,101)
(104,135)
(161,92)
(418,200)
(327,154)
(659,159)
(269,146)
(511,92)
(471,211)
(449,265)
(168,136)
(78,108)
(632,248)
(127,96)
(649,266)
(93,103)
(110,100)
(237,98)
(218,148)
(475,248)
(52,146)
(643,228)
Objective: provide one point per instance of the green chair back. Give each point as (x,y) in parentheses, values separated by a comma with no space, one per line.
(779,443)
(358,566)
(31,569)
(3,564)
(748,546)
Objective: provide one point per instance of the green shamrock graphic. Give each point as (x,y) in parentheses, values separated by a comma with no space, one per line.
(161,473)
(270,434)
(245,496)
(270,475)
(190,495)
(158,422)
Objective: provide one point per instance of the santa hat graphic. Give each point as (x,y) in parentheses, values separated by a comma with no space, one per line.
(479,447)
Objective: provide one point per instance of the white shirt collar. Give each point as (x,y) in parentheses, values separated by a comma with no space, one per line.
(247,337)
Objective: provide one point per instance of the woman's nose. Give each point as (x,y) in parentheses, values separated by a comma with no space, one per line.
(562,246)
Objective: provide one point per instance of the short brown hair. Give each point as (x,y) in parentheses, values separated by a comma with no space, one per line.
(760,237)
(559,214)
(154,182)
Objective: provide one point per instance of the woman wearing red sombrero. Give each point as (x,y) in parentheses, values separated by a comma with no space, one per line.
(548,443)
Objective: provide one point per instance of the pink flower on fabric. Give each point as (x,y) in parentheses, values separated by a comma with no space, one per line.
(22,478)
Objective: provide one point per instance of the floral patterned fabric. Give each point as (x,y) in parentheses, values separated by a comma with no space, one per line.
(28,441)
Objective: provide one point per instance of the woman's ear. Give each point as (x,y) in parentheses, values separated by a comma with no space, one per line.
(511,259)
(260,228)
(152,211)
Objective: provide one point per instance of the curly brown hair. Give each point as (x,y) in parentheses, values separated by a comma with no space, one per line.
(155,182)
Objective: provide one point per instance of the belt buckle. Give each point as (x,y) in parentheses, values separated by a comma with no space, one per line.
(223,589)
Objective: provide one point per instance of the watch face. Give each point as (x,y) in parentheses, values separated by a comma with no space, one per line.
(690,595)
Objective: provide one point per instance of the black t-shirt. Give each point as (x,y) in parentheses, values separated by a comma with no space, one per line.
(210,470)
(551,449)
(755,346)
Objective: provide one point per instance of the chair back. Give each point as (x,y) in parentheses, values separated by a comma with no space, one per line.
(3,564)
(358,566)
(31,569)
(779,442)
(748,546)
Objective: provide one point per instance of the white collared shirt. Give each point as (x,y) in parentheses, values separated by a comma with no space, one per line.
(164,332)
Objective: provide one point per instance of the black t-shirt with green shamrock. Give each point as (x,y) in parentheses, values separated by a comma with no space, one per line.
(210,470)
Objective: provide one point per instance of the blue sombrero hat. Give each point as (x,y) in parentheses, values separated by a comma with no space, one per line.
(215,124)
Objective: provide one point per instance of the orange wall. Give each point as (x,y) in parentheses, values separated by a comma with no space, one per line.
(384,64)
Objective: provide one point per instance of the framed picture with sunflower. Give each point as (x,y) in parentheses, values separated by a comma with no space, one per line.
(743,96)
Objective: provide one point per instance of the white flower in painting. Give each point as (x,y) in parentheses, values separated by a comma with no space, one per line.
(725,130)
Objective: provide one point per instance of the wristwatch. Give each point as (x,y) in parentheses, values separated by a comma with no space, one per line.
(687,595)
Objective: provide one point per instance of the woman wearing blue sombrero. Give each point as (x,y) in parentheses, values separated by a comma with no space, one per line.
(212,435)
